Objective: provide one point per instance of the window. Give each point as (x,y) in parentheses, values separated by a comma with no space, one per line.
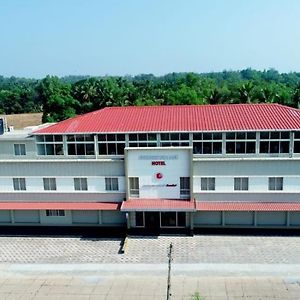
(297,142)
(111,184)
(55,213)
(80,184)
(143,140)
(207,143)
(49,144)
(139,219)
(275,183)
(207,184)
(49,184)
(19,149)
(184,187)
(240,142)
(81,144)
(172,219)
(274,142)
(134,190)
(174,139)
(241,184)
(19,184)
(111,144)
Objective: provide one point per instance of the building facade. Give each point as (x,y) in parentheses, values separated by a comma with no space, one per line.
(153,168)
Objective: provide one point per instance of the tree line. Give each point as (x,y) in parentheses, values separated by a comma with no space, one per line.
(61,98)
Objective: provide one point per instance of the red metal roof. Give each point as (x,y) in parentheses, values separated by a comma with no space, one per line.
(60,205)
(158,205)
(247,206)
(224,117)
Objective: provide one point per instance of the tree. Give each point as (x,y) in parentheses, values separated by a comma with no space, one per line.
(58,104)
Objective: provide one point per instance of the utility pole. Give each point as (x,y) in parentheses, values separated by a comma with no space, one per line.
(169,271)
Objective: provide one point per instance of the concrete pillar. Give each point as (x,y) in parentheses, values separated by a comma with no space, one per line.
(288,219)
(255,219)
(223,218)
(12,216)
(191,220)
(100,216)
(128,220)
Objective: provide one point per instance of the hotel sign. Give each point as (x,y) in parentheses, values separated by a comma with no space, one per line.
(158,163)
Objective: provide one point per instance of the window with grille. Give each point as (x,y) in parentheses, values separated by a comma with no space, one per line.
(241,184)
(275,183)
(49,184)
(80,184)
(208,184)
(55,213)
(19,184)
(111,184)
(134,190)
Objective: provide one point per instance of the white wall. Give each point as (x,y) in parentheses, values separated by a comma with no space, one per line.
(63,184)
(256,184)
(176,165)
(67,219)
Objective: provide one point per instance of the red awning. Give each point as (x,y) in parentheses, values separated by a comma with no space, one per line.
(247,206)
(158,205)
(60,205)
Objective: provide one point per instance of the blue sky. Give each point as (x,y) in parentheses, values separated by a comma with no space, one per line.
(115,37)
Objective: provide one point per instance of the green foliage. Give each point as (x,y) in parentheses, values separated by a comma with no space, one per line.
(61,98)
(197,296)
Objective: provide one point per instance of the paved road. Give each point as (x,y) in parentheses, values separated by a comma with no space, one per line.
(217,267)
(197,249)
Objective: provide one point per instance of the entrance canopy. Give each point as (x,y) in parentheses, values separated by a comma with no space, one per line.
(247,206)
(158,205)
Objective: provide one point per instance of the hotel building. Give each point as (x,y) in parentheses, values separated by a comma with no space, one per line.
(156,168)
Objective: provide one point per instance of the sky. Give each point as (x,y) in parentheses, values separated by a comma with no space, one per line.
(130,37)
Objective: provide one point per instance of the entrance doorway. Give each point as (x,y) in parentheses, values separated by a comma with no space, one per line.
(152,220)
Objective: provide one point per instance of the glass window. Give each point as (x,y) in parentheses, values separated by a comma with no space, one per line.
(55,213)
(275,183)
(19,184)
(80,184)
(197,136)
(168,219)
(184,187)
(49,184)
(274,142)
(297,147)
(181,220)
(241,184)
(184,136)
(134,189)
(19,149)
(111,184)
(297,135)
(211,143)
(139,219)
(208,184)
(239,142)
(49,145)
